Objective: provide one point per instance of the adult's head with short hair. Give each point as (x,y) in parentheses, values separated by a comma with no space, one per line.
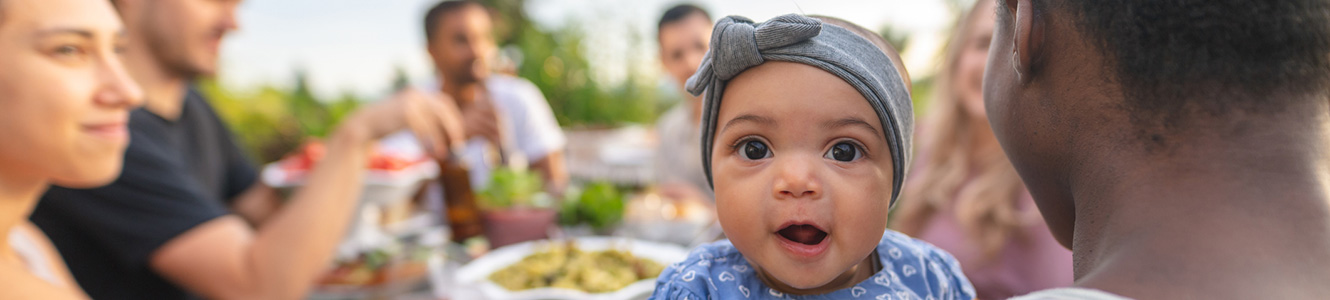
(64,95)
(1073,87)
(683,34)
(181,38)
(461,40)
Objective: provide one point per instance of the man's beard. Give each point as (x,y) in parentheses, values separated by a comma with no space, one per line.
(172,55)
(469,74)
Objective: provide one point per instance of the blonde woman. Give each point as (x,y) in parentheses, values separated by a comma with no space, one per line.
(964,196)
(64,103)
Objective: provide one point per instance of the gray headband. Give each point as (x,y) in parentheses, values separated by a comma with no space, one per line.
(738,44)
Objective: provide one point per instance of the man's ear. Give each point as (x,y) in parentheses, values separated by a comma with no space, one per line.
(1028,37)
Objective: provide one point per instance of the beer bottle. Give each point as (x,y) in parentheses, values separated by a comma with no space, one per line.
(459,200)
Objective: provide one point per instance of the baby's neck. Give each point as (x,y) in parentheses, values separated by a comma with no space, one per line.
(856,274)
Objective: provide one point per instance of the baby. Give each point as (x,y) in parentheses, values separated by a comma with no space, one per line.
(805,138)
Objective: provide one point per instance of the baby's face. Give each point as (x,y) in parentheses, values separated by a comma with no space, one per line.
(802,173)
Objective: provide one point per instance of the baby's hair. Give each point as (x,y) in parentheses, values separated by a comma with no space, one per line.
(876,39)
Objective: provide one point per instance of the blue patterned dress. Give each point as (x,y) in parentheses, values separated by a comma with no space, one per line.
(911,269)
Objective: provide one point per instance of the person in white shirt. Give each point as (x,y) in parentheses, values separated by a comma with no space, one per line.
(502,116)
(683,33)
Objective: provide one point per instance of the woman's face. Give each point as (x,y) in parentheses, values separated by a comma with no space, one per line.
(969,81)
(802,172)
(64,94)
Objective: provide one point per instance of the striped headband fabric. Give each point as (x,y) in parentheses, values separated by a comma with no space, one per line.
(738,43)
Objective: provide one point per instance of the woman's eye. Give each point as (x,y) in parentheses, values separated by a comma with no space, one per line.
(844,152)
(754,150)
(67,50)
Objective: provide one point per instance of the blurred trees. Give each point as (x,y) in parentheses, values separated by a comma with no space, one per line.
(555,61)
(270,122)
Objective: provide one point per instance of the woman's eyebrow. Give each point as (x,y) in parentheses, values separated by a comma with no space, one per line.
(750,118)
(64,31)
(850,121)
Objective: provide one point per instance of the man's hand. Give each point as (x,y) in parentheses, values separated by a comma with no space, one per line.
(434,119)
(482,120)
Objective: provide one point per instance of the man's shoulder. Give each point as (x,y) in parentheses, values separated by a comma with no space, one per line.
(513,91)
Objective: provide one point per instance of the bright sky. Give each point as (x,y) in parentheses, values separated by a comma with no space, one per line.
(354,45)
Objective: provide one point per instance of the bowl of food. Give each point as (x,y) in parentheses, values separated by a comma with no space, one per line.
(601,268)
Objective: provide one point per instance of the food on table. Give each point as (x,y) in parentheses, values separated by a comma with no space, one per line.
(567,266)
(309,154)
(377,267)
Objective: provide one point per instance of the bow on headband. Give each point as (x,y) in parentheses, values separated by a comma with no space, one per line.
(738,44)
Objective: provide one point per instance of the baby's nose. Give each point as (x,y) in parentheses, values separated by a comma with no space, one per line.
(796,179)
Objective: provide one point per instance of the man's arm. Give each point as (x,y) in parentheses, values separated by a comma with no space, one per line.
(225,259)
(553,171)
(257,204)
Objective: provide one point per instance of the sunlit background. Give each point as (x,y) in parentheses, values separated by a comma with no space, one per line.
(296,65)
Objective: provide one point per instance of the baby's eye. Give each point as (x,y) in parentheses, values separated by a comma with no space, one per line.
(845,152)
(754,150)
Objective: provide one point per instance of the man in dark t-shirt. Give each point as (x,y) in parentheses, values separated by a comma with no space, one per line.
(165,228)
(178,174)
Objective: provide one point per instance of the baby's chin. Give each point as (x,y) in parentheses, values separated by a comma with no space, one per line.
(795,281)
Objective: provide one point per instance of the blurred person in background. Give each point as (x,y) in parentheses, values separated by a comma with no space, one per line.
(684,34)
(502,115)
(965,197)
(163,229)
(65,99)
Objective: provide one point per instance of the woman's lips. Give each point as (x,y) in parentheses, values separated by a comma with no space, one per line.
(115,131)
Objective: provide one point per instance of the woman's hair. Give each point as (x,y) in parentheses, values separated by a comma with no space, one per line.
(984,190)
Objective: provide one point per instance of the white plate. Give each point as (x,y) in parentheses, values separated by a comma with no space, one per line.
(477,272)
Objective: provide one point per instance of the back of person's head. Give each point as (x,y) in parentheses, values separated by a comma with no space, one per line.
(1176,59)
(678,13)
(437,13)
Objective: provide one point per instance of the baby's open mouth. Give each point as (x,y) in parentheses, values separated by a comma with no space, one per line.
(803,234)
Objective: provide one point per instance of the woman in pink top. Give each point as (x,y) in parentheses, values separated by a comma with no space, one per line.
(964,196)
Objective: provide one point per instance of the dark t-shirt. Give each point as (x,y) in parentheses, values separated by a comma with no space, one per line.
(177,175)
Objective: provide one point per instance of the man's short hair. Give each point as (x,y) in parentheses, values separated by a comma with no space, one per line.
(437,12)
(678,13)
(1171,56)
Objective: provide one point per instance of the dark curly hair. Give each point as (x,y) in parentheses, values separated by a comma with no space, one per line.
(1173,57)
